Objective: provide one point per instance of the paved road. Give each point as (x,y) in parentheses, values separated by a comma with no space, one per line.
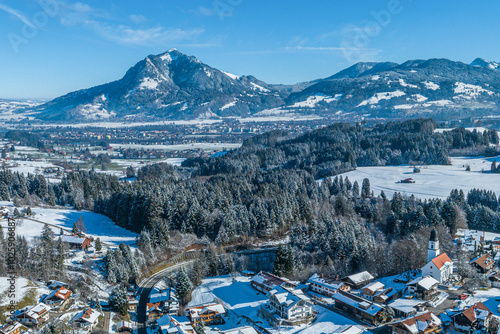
(107,318)
(145,289)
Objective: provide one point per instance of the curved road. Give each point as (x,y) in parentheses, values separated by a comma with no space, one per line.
(145,289)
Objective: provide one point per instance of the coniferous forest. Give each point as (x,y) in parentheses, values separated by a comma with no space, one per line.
(276,186)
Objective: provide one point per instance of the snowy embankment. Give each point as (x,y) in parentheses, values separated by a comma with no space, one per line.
(22,288)
(432,181)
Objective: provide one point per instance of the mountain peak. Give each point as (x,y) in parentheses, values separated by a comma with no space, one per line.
(480,62)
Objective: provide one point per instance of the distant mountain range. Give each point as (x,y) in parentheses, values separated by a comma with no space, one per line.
(174,86)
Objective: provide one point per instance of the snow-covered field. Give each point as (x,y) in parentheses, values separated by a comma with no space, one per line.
(21,289)
(241,299)
(432,181)
(97,225)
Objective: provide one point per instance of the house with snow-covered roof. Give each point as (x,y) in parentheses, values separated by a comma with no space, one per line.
(438,265)
(326,286)
(425,323)
(358,280)
(240,330)
(476,318)
(76,242)
(55,285)
(349,329)
(371,289)
(167,300)
(172,324)
(360,308)
(11,328)
(209,314)
(154,311)
(483,263)
(290,304)
(265,282)
(423,287)
(58,298)
(86,319)
(33,315)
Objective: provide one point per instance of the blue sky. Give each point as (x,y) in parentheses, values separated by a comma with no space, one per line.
(51,47)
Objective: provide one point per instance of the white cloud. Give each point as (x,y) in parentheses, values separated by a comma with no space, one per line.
(17,14)
(137,18)
(131,36)
(80,14)
(221,11)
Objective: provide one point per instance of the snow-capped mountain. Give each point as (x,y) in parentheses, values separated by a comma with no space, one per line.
(171,85)
(436,87)
(480,62)
(174,86)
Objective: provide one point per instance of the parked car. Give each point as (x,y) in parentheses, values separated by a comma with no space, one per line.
(462,296)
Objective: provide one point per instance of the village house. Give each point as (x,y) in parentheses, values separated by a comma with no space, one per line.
(58,298)
(265,282)
(153,311)
(11,328)
(405,308)
(483,264)
(56,285)
(474,318)
(326,286)
(360,308)
(240,330)
(4,211)
(167,300)
(290,305)
(358,280)
(86,319)
(425,323)
(171,324)
(349,329)
(438,265)
(132,304)
(371,289)
(33,315)
(423,287)
(125,327)
(76,242)
(209,314)
(377,292)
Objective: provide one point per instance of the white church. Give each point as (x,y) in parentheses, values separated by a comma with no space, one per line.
(439,266)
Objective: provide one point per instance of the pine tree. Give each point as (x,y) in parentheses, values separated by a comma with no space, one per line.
(365,188)
(355,189)
(98,245)
(183,286)
(284,263)
(119,300)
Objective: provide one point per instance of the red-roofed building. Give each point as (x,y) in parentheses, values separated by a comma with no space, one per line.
(423,323)
(484,263)
(59,297)
(439,266)
(87,319)
(472,319)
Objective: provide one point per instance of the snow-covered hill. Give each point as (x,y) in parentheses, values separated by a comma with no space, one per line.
(171,85)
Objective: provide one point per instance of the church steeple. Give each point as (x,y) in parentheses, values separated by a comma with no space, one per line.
(433,250)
